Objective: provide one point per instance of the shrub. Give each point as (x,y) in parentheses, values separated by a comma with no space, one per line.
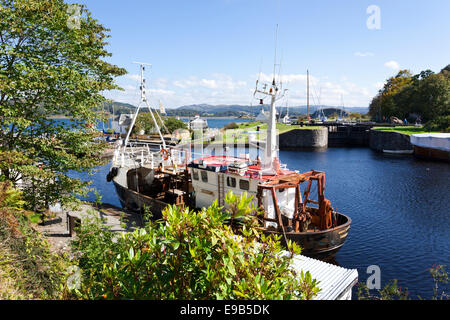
(230,126)
(191,255)
(28,269)
(172,124)
(441,124)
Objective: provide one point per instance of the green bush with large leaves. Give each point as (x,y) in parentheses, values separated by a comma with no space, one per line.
(190,255)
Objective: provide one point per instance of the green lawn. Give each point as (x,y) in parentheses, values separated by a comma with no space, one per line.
(402,129)
(238,135)
(280,126)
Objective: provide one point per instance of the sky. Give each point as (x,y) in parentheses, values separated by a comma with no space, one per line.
(213,51)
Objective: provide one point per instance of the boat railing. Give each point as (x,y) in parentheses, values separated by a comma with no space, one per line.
(141,154)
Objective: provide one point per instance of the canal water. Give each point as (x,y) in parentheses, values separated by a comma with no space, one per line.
(399,208)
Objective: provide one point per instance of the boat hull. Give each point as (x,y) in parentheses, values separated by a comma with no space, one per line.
(319,244)
(136,202)
(431,154)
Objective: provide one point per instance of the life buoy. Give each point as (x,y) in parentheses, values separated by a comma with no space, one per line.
(165,154)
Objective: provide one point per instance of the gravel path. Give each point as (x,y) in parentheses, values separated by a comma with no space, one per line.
(56,229)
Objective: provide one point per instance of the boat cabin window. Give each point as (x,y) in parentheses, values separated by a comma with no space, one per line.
(244,184)
(195,174)
(204,176)
(231,182)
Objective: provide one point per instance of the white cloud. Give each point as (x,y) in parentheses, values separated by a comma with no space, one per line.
(392,65)
(364,54)
(218,81)
(378,85)
(219,89)
(134,77)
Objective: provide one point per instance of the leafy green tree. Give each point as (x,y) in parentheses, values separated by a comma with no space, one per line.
(51,62)
(355,115)
(431,97)
(446,71)
(173,124)
(145,122)
(191,255)
(384,103)
(425,94)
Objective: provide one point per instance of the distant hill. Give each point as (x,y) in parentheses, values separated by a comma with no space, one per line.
(244,110)
(207,110)
(119,108)
(329,112)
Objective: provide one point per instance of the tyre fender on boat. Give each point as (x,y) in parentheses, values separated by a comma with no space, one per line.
(112,173)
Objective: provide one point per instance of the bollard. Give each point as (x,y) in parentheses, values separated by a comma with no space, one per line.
(73,222)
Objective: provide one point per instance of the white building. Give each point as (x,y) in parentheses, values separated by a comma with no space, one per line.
(198,123)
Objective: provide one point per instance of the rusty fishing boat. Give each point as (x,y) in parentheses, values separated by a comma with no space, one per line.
(293,203)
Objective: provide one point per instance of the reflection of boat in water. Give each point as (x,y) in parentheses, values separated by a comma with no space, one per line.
(293,203)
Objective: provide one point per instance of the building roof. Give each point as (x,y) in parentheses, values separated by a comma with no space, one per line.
(335,282)
(125,119)
(198,123)
(261,116)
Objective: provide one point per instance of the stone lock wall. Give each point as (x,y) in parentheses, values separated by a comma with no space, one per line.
(381,140)
(304,138)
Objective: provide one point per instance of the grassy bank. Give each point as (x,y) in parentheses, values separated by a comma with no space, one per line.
(28,268)
(402,129)
(239,135)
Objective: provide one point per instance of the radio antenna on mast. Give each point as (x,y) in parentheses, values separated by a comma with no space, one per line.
(143,100)
(275,93)
(275,54)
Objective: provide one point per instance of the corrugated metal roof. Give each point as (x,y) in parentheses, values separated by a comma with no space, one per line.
(335,282)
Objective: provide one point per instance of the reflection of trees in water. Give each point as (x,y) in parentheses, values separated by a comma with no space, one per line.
(331,260)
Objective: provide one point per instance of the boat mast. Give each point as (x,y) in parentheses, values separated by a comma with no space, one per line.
(143,100)
(307,95)
(271,151)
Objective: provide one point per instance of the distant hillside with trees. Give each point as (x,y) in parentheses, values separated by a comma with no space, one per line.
(406,96)
(206,110)
(330,112)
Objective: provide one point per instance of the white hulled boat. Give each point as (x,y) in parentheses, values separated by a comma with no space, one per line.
(288,210)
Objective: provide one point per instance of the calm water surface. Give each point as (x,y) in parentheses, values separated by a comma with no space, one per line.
(399,206)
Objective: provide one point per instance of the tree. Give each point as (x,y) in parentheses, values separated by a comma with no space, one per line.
(173,124)
(431,97)
(446,71)
(383,105)
(375,108)
(425,94)
(145,122)
(389,107)
(355,115)
(51,62)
